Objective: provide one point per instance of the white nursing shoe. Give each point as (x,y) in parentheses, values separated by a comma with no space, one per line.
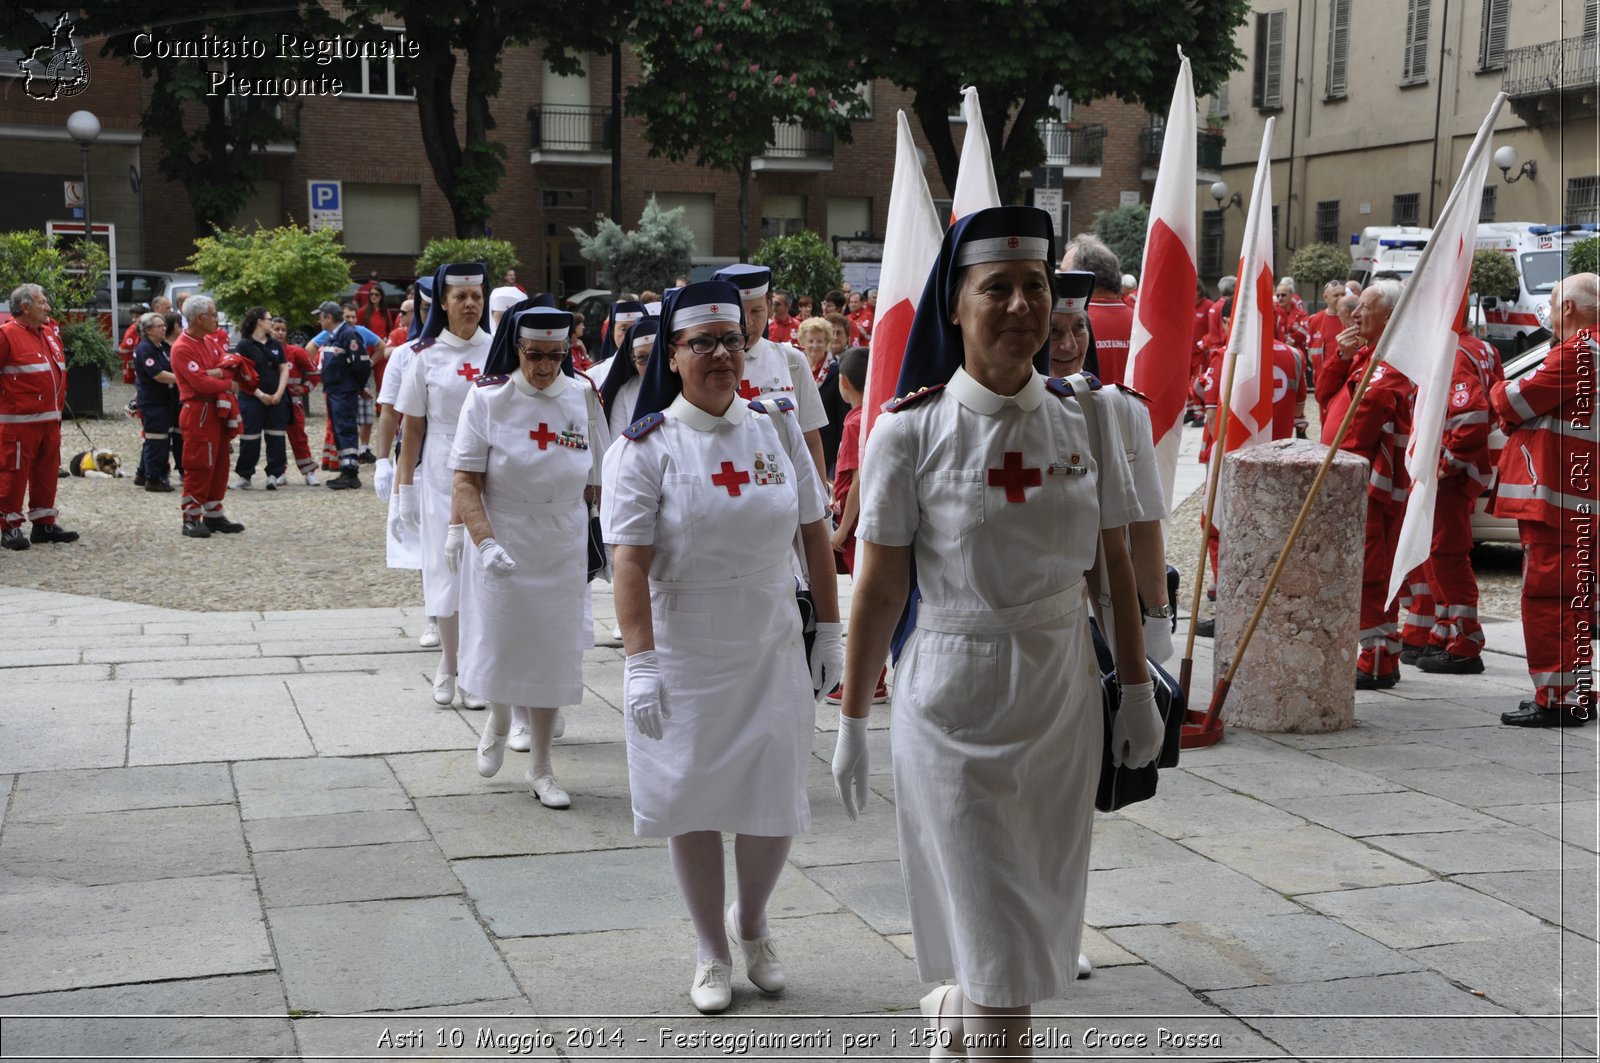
(1085,969)
(761,962)
(521,739)
(931,1005)
(444,688)
(472,701)
(491,751)
(548,791)
(712,990)
(429,639)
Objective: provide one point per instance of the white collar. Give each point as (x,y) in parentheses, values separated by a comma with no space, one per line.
(700,420)
(979,399)
(452,340)
(520,381)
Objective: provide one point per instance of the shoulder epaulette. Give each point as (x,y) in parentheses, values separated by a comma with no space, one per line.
(1135,392)
(1060,385)
(491,381)
(422,345)
(644,426)
(784,405)
(904,401)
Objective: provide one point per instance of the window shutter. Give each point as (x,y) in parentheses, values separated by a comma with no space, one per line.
(1338,48)
(1492,31)
(1414,68)
(1591,18)
(1267,86)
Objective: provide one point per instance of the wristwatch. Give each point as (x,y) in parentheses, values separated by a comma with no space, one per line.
(1164,612)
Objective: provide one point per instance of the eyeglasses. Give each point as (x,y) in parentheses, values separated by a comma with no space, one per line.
(732,342)
(541,356)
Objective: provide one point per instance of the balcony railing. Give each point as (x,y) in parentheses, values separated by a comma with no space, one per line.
(1552,68)
(558,128)
(1072,145)
(794,147)
(1207,148)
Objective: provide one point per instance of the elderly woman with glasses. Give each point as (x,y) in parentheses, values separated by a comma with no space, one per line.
(524,462)
(704,496)
(156,394)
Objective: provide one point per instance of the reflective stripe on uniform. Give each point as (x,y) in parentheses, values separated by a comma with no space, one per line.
(30,418)
(1541,493)
(1461,420)
(31,367)
(251,436)
(40,514)
(1561,427)
(1513,395)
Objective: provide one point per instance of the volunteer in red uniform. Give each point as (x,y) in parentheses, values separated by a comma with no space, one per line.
(1441,632)
(1342,364)
(195,361)
(1110,319)
(782,326)
(1379,433)
(1290,315)
(304,374)
(863,311)
(1322,330)
(33,384)
(1547,482)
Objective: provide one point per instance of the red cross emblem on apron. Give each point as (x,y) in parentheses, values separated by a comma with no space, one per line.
(1014,478)
(748,390)
(470,372)
(730,478)
(542,435)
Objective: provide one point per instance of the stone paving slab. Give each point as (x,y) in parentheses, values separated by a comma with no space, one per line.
(316,786)
(1362,815)
(1175,893)
(16,657)
(615,889)
(1275,950)
(514,823)
(350,715)
(836,839)
(1503,849)
(73,1035)
(1362,734)
(1398,755)
(1573,822)
(164,648)
(1565,897)
(1118,842)
(584,769)
(335,831)
(201,668)
(1423,717)
(7,784)
(44,728)
(1425,913)
(1295,775)
(71,937)
(363,956)
(99,848)
(1541,752)
(214,719)
(1486,785)
(1220,814)
(1547,972)
(355,873)
(1306,859)
(875,892)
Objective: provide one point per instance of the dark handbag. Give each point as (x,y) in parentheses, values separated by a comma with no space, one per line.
(808,622)
(1126,785)
(599,561)
(597,546)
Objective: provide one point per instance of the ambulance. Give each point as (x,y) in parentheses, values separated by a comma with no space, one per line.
(1511,320)
(1386,248)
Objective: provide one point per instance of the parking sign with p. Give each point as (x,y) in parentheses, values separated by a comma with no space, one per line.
(327,204)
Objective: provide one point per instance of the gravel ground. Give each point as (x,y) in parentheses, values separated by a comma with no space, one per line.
(308,547)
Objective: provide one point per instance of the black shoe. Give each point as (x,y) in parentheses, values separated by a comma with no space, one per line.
(159,487)
(1531,714)
(196,530)
(1413,654)
(1211,593)
(52,533)
(1206,629)
(13,539)
(344,481)
(1443,663)
(1367,681)
(223,525)
(367,457)
(138,479)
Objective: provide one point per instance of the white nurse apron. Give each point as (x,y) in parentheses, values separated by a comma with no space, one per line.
(402,543)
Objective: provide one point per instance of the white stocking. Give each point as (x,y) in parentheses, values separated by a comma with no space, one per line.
(697,862)
(449,642)
(757,863)
(542,724)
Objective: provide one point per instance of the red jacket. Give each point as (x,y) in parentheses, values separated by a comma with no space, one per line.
(33,374)
(1547,470)
(190,359)
(1112,322)
(1464,447)
(1380,431)
(304,371)
(1288,392)
(1202,322)
(782,331)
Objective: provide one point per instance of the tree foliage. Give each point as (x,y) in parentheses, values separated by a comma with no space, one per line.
(649,257)
(1018,51)
(1314,265)
(498,255)
(1123,230)
(802,263)
(288,270)
(720,75)
(69,276)
(1493,274)
(1584,256)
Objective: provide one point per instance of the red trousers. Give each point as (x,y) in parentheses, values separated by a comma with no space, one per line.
(1443,612)
(1558,600)
(1380,630)
(205,460)
(30,459)
(298,443)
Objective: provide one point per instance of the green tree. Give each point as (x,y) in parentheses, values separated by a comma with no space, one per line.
(498,255)
(288,270)
(1584,256)
(649,257)
(1017,52)
(802,263)
(1123,230)
(69,276)
(1493,274)
(1314,265)
(719,78)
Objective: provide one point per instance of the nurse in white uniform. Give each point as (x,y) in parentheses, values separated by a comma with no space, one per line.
(401,546)
(997,731)
(524,460)
(446,358)
(703,498)
(620,319)
(619,385)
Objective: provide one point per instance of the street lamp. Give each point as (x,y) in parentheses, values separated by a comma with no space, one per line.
(1506,157)
(84,127)
(1219,192)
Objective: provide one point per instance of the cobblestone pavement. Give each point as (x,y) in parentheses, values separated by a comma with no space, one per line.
(259,821)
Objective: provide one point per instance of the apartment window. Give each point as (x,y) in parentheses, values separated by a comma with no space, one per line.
(1583,199)
(1338,49)
(1486,204)
(782,215)
(1407,209)
(1212,227)
(1492,29)
(848,215)
(567,199)
(1218,107)
(1267,85)
(1327,221)
(383,78)
(382,219)
(699,213)
(1414,63)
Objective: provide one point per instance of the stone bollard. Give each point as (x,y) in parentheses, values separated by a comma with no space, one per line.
(1298,674)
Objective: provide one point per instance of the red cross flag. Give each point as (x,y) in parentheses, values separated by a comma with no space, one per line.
(975,184)
(1250,339)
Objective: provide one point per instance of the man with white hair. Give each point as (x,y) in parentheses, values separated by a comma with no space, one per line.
(195,362)
(33,386)
(1547,482)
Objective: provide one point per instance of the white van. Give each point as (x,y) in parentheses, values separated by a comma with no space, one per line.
(1386,248)
(1511,320)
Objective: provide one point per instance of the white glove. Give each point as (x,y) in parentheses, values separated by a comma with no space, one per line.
(827,658)
(642,693)
(383,478)
(496,562)
(850,764)
(1137,731)
(1157,638)
(410,511)
(454,541)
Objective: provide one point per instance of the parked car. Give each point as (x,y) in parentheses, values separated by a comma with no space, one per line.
(137,287)
(1487,528)
(593,304)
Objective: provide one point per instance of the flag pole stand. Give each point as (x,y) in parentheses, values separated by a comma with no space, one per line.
(1212,717)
